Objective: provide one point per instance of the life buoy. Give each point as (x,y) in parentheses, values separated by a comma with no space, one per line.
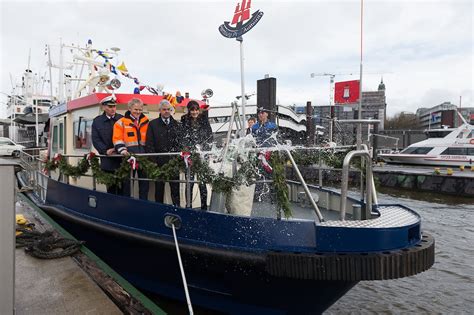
(471,141)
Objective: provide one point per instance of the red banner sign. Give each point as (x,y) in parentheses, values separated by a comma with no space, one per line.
(346,92)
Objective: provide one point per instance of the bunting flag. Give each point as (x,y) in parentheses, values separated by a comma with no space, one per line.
(263,157)
(133,162)
(187,159)
(122,68)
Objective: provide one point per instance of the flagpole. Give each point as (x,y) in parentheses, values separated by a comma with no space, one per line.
(242,83)
(359,126)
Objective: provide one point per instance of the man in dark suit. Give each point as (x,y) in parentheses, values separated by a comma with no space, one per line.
(102,129)
(163,136)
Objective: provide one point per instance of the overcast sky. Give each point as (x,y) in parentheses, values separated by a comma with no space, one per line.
(423,49)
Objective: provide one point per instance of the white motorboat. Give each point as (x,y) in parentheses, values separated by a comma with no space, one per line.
(444,147)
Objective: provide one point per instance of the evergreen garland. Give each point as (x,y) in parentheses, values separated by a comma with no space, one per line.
(247,173)
(278,162)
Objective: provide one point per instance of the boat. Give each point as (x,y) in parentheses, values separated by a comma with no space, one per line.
(244,255)
(27,111)
(444,147)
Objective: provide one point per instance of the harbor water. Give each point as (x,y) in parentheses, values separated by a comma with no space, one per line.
(446,288)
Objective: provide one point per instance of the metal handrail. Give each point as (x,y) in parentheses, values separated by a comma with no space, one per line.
(279,148)
(345,179)
(374,192)
(305,187)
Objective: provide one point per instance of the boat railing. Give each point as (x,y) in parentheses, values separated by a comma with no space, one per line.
(306,189)
(33,164)
(365,155)
(35,179)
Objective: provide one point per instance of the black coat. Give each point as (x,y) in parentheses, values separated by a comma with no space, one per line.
(163,138)
(198,133)
(102,130)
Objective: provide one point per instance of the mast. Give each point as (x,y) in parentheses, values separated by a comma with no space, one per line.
(61,72)
(242,83)
(50,75)
(359,116)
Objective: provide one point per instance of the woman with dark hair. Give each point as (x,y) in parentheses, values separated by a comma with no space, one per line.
(197,132)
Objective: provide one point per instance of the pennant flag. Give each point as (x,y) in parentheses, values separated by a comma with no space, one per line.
(122,68)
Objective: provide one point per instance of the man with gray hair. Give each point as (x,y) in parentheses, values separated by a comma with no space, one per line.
(130,137)
(163,136)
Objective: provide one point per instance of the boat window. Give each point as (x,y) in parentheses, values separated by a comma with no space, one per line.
(454,151)
(419,150)
(470,151)
(471,135)
(82,133)
(462,134)
(437,133)
(409,150)
(55,138)
(61,136)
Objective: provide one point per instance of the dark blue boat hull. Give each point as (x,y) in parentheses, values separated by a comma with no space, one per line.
(227,278)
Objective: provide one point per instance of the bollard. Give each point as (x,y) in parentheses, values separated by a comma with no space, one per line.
(449,171)
(461,168)
(437,171)
(7,237)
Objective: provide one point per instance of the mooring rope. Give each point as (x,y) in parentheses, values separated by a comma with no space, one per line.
(45,245)
(188,298)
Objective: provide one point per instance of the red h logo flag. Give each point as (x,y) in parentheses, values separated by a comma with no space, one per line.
(346,92)
(241,13)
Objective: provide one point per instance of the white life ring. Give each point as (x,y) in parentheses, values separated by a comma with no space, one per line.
(471,141)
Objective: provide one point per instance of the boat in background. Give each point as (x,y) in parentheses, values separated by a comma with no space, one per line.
(27,111)
(444,147)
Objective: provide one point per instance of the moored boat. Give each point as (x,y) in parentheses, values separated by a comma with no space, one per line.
(288,247)
(445,147)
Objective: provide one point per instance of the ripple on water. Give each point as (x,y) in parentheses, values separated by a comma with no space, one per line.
(447,288)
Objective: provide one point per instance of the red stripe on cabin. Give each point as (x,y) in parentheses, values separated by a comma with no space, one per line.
(95,98)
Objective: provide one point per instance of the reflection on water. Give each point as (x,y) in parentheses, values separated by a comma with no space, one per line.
(445,288)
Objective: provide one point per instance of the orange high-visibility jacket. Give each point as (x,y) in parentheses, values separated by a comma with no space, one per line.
(128,136)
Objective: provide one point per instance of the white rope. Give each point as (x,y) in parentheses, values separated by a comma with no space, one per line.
(188,298)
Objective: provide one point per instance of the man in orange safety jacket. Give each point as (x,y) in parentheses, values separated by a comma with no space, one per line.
(129,136)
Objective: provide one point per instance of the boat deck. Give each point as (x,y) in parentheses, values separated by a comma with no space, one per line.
(390,216)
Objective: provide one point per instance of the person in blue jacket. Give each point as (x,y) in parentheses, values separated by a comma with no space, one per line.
(264,131)
(102,129)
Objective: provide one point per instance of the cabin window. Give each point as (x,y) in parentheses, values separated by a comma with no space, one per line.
(471,135)
(455,151)
(61,136)
(470,151)
(55,138)
(417,150)
(82,133)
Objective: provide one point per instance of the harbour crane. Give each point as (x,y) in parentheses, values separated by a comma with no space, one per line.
(331,97)
(331,82)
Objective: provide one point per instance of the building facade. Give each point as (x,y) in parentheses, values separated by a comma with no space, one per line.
(444,114)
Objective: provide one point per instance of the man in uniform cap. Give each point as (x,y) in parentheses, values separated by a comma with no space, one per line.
(102,129)
(264,130)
